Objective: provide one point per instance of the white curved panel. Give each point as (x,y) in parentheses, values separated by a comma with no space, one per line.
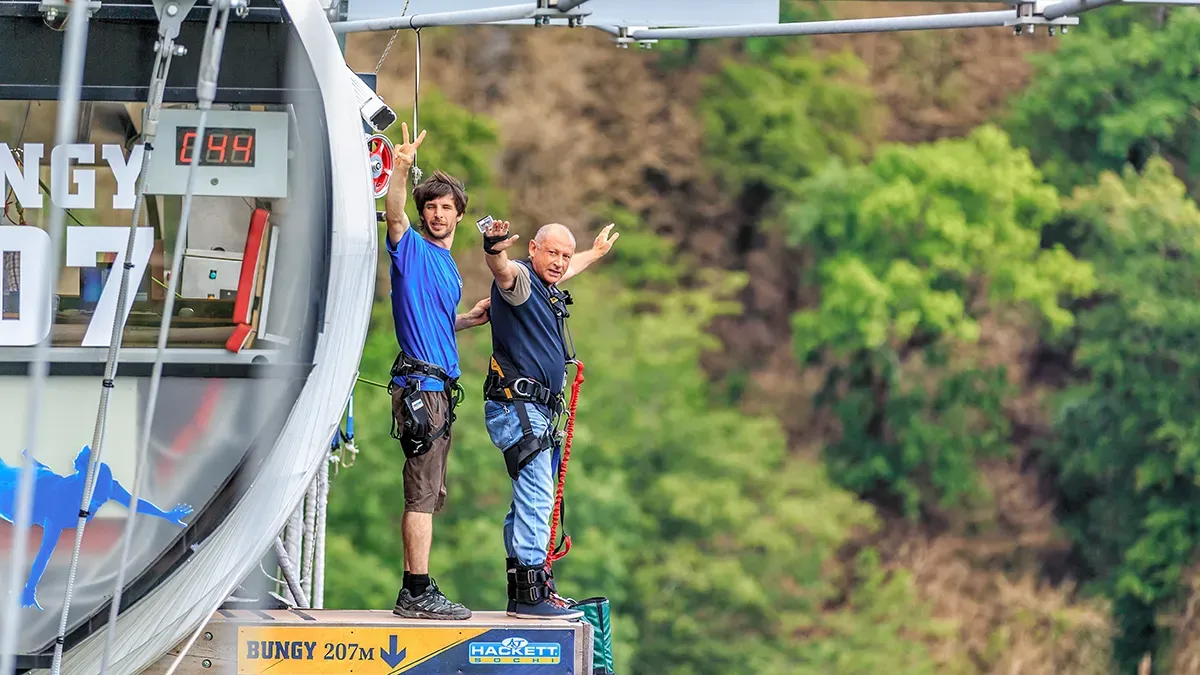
(186,599)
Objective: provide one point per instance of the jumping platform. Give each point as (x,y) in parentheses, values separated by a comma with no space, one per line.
(369,642)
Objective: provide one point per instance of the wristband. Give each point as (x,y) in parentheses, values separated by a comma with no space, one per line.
(489,241)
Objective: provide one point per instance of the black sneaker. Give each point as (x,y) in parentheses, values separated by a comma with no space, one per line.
(429,605)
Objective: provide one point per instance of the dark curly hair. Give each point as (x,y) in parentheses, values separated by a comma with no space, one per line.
(438,185)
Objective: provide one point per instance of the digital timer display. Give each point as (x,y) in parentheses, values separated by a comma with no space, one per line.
(222,146)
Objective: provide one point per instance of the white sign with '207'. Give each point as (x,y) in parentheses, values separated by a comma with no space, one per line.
(71,187)
(32,324)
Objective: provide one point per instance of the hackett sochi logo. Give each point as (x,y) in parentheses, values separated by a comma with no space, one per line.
(515,650)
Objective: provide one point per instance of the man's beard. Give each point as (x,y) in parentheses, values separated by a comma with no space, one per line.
(438,237)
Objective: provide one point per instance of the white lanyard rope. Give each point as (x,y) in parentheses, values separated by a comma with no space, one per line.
(206,89)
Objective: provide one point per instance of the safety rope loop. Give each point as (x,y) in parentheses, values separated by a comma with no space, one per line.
(559,552)
(416,172)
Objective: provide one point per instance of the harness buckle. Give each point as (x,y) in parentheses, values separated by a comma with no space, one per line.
(528,392)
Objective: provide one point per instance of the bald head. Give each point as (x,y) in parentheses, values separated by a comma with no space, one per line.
(550,251)
(556,231)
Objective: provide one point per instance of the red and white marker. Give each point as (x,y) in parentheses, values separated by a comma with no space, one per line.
(382,161)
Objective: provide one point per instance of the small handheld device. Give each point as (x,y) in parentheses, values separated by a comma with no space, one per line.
(483,224)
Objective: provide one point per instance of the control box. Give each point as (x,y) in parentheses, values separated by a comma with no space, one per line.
(244,153)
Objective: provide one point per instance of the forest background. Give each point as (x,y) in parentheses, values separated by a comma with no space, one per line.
(896,362)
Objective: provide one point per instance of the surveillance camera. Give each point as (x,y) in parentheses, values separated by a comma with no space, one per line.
(374,111)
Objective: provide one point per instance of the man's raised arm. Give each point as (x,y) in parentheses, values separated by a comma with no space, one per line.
(397,196)
(496,241)
(600,247)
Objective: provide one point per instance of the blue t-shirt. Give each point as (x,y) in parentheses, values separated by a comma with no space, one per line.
(426,289)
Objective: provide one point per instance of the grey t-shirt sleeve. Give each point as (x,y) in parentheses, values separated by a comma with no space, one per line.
(520,290)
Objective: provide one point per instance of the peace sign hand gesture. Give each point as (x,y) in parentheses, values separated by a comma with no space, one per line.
(406,152)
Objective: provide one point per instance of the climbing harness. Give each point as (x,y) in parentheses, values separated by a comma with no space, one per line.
(416,435)
(523,391)
(520,392)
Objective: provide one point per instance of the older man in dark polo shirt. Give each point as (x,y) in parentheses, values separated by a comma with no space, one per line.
(530,350)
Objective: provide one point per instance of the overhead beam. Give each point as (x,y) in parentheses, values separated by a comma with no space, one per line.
(460,18)
(611,30)
(568,5)
(1067,7)
(842,26)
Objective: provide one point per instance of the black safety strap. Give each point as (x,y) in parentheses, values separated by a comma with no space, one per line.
(518,455)
(490,241)
(562,519)
(405,365)
(531,585)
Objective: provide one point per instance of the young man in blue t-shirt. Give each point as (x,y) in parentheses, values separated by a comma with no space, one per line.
(426,289)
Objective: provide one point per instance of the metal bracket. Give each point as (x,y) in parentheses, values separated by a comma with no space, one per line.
(548,9)
(171,14)
(623,38)
(54,12)
(1029,15)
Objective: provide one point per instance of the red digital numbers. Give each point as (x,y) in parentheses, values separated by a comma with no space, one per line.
(185,152)
(244,144)
(216,151)
(217,146)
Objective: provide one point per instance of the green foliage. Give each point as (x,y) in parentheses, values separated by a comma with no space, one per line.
(463,145)
(911,246)
(1120,90)
(713,544)
(790,11)
(771,125)
(1127,449)
(717,548)
(911,242)
(645,258)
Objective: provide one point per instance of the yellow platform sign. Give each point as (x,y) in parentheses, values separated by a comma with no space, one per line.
(342,650)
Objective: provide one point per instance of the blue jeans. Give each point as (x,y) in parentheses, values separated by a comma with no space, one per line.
(527,525)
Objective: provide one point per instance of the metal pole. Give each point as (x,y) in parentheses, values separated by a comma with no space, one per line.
(568,5)
(459,18)
(1060,9)
(883,24)
(70,86)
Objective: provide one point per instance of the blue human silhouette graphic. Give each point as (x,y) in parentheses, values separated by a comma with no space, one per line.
(56,502)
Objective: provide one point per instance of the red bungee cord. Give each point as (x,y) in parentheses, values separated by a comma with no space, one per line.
(553,555)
